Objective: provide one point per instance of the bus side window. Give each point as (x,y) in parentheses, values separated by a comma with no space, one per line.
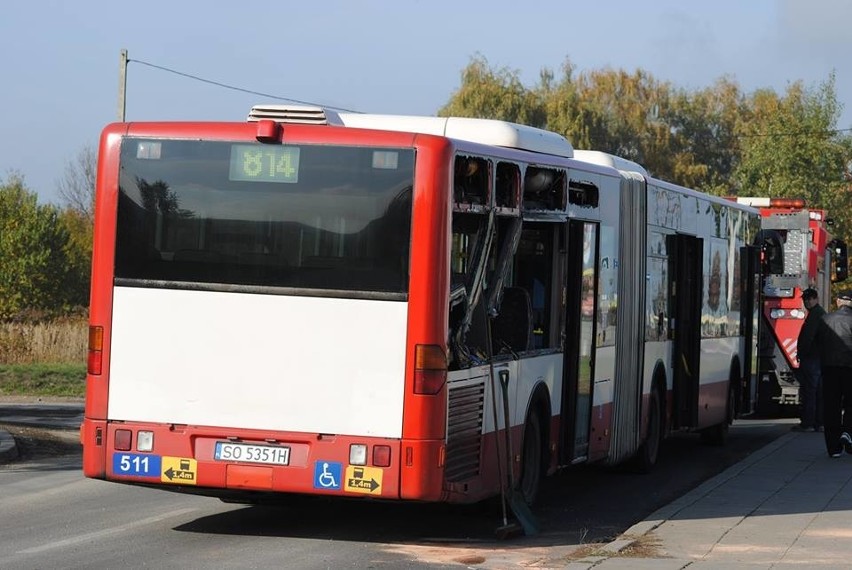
(471,181)
(467,249)
(507,186)
(512,328)
(544,189)
(533,272)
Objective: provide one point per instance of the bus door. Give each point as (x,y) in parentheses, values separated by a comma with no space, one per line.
(581,306)
(685,290)
(749,319)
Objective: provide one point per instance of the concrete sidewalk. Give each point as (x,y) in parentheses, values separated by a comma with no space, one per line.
(787,504)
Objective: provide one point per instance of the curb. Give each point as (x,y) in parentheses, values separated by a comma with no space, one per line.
(8,447)
(663,514)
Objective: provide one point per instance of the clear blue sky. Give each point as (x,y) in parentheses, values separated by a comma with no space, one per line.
(60,59)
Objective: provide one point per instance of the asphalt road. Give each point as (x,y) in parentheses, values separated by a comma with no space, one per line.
(97,524)
(63,416)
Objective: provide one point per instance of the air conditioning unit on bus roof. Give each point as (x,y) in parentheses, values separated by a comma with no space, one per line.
(300,114)
(482,131)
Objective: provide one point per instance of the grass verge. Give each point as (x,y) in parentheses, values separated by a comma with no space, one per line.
(57,380)
(645,546)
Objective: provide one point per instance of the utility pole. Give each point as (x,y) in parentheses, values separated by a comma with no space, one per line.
(122,84)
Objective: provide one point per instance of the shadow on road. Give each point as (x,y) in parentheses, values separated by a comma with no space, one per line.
(580,505)
(577,506)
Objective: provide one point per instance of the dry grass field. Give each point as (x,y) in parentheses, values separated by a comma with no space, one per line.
(60,341)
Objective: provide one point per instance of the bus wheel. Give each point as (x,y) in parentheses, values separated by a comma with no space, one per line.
(648,453)
(718,434)
(531,459)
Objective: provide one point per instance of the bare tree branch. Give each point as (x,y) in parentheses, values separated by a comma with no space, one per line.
(77,186)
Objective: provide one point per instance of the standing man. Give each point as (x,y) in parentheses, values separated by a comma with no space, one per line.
(809,373)
(834,339)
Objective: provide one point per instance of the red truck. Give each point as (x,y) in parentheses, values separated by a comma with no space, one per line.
(798,251)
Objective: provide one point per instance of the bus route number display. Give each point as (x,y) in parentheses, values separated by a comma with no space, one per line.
(254,163)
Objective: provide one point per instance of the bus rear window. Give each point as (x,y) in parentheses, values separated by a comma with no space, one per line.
(224,215)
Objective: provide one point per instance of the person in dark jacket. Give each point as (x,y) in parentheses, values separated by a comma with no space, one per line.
(809,373)
(834,338)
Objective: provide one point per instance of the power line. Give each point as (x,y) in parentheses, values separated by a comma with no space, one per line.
(290,99)
(235,88)
(796,133)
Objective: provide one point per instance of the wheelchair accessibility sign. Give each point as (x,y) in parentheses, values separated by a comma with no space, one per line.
(327,475)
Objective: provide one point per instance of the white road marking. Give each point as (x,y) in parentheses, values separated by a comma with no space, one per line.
(104,533)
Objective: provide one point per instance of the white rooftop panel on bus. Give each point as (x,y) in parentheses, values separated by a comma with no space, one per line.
(483,131)
(606,159)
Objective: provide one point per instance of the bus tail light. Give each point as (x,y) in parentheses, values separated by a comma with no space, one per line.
(430,369)
(123,437)
(381,455)
(96,348)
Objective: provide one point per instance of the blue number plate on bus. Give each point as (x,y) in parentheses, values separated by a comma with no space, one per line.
(136,464)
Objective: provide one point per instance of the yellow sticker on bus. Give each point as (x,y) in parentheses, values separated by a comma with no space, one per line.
(179,470)
(366,480)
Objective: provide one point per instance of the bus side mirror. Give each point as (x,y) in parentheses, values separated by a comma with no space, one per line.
(840,261)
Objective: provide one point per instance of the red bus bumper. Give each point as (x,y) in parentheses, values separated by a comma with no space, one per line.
(191,457)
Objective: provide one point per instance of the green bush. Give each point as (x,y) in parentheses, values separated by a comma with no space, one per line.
(41,267)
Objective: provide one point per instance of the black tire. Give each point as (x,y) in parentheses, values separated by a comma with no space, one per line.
(718,434)
(532,470)
(649,451)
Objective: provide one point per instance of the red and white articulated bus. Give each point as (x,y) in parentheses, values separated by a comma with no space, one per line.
(801,253)
(359,305)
